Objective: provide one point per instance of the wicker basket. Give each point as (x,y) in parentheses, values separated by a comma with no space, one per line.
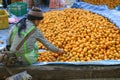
(3,19)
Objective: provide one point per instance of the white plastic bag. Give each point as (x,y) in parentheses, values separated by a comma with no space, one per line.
(20,76)
(69,3)
(62,3)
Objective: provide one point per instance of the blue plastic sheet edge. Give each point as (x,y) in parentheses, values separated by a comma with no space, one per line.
(102,62)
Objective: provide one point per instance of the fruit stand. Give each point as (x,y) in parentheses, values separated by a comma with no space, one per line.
(91,37)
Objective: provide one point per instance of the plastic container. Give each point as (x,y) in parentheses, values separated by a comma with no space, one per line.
(3,19)
(18,8)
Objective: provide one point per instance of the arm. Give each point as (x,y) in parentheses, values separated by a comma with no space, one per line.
(46,43)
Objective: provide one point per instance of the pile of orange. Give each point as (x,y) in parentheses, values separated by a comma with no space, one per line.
(85,36)
(110,3)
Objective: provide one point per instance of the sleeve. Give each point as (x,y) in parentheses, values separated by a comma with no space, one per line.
(46,43)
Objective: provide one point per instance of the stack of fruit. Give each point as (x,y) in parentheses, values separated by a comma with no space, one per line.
(85,36)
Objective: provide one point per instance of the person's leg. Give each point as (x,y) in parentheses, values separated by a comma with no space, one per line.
(4,3)
(9,2)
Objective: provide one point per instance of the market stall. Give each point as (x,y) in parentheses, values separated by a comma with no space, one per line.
(78,66)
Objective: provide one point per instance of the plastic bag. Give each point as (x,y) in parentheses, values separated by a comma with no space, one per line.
(62,3)
(20,76)
(69,3)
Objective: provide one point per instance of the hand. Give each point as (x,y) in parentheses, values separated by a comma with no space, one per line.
(61,51)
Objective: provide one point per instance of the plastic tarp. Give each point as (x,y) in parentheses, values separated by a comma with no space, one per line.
(102,62)
(117,8)
(3,37)
(112,15)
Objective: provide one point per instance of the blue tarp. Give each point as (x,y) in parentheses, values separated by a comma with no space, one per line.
(112,15)
(3,37)
(102,62)
(87,6)
(117,8)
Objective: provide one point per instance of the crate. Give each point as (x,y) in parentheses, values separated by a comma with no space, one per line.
(3,19)
(18,8)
